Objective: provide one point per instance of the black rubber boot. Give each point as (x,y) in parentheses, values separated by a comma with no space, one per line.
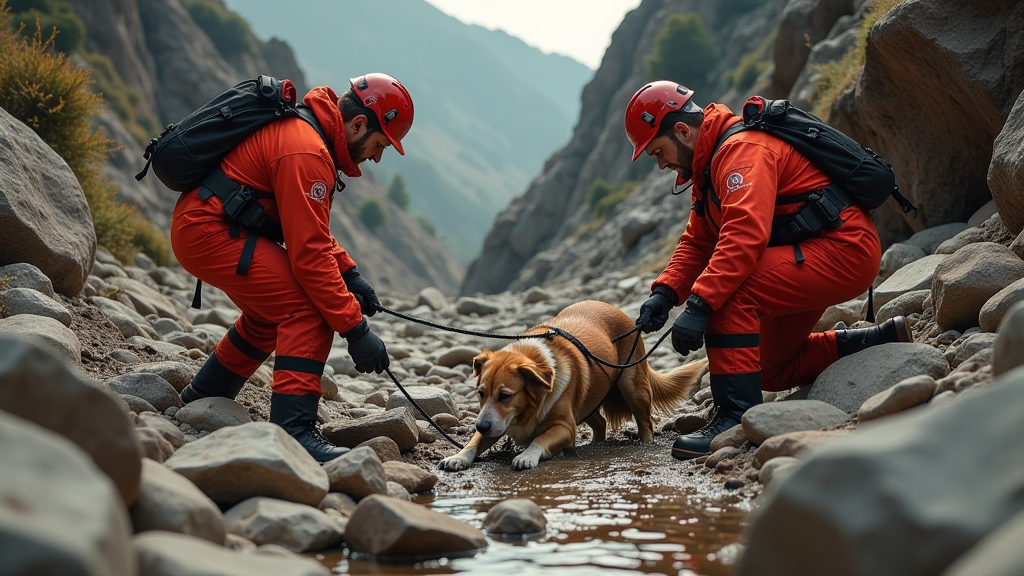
(213,379)
(297,415)
(733,395)
(892,330)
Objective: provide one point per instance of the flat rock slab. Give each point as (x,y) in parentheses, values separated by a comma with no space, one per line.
(58,513)
(169,554)
(37,385)
(296,527)
(389,528)
(256,459)
(850,381)
(398,424)
(793,443)
(210,414)
(766,420)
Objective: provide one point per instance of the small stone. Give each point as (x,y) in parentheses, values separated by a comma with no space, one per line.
(516,517)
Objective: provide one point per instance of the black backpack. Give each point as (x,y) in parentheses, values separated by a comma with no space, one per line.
(186,152)
(859,175)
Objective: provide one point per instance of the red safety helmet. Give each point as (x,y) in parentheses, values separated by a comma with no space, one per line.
(647,108)
(390,101)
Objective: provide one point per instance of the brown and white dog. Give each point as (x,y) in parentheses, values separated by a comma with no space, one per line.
(537,391)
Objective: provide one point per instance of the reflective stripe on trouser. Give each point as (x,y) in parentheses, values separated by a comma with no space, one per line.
(765,326)
(276,312)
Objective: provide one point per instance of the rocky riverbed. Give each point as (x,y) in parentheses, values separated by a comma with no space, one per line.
(94,430)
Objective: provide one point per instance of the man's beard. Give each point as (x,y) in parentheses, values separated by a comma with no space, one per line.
(356,149)
(684,161)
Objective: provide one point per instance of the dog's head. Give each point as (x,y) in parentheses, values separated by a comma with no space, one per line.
(511,386)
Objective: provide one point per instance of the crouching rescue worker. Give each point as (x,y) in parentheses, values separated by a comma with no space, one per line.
(293,298)
(751,296)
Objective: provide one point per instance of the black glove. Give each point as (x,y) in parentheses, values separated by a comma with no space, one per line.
(366,349)
(688,329)
(654,312)
(362,290)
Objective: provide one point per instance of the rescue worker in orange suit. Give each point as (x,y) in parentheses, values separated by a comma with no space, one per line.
(751,303)
(293,298)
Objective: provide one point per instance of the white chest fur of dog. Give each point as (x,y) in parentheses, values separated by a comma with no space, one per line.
(536,391)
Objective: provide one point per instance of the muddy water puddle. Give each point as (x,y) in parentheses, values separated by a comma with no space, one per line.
(612,508)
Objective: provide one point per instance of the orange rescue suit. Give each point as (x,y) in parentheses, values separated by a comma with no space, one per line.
(766,300)
(292,300)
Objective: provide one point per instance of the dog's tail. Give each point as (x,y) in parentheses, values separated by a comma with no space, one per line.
(669,389)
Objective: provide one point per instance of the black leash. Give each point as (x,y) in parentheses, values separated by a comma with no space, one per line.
(425,415)
(552,331)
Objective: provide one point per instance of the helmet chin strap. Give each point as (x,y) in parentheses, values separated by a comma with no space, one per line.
(676,190)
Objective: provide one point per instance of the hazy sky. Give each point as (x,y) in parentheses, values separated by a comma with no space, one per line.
(581,29)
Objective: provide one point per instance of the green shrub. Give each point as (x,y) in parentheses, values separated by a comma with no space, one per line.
(746,72)
(229,32)
(49,15)
(398,192)
(125,101)
(602,199)
(372,213)
(51,96)
(427,225)
(683,52)
(152,242)
(836,76)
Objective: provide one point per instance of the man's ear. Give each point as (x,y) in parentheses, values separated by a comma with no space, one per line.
(538,374)
(480,360)
(356,128)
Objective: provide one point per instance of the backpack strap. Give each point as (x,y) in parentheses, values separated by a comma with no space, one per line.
(708,183)
(306,114)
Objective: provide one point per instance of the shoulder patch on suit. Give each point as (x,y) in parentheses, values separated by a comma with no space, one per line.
(317,192)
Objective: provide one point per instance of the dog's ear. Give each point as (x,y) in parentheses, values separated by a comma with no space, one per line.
(538,374)
(479,360)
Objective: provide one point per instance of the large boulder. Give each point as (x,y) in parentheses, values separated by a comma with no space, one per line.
(905,496)
(44,216)
(848,382)
(36,385)
(972,48)
(389,528)
(58,513)
(804,23)
(1006,172)
(965,280)
(255,459)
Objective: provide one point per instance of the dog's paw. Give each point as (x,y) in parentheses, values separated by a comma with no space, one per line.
(454,463)
(526,461)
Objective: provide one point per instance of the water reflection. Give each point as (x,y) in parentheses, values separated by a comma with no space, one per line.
(615,508)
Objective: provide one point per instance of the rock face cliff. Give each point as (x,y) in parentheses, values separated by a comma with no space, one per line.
(159,50)
(936,122)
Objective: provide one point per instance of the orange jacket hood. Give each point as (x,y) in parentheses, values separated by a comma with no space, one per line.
(323,101)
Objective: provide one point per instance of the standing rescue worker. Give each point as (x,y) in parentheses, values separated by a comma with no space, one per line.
(750,300)
(293,298)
